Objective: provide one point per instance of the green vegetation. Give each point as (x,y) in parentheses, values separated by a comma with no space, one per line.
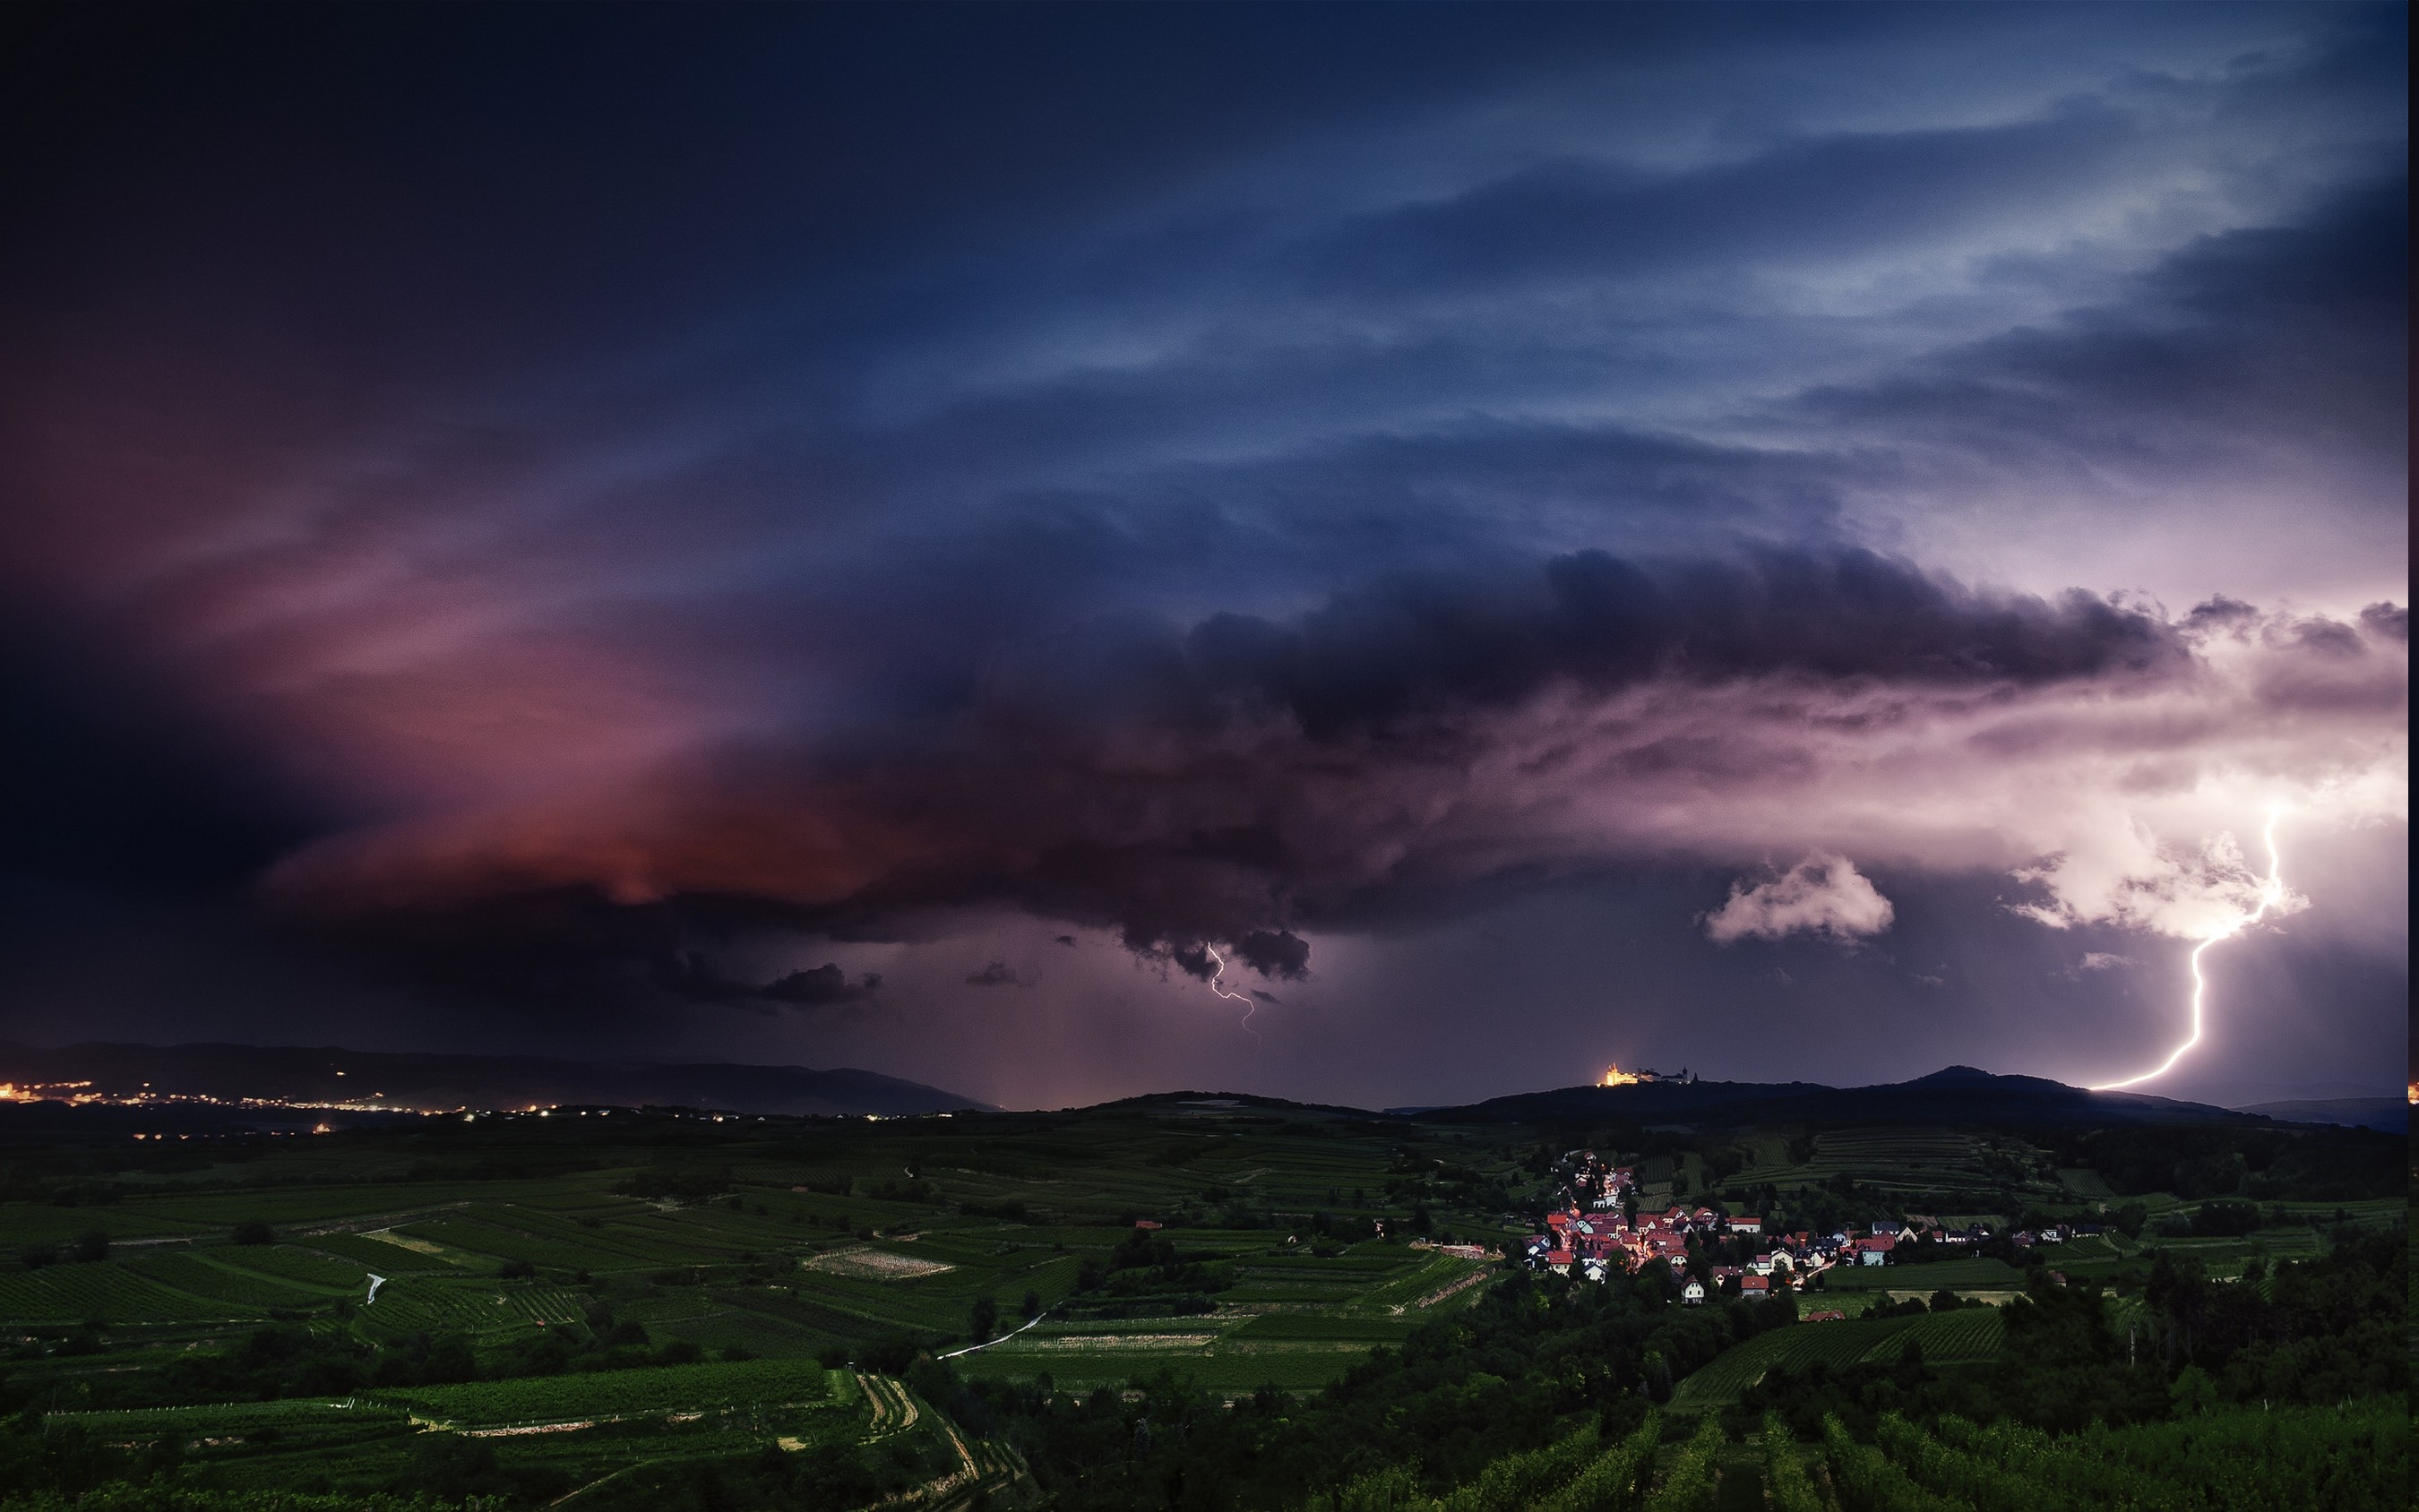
(1968,1337)
(1181,1302)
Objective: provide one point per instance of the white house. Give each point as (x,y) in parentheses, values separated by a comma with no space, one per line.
(1693,1294)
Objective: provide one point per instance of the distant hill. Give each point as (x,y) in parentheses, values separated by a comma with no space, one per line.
(2386,1115)
(328,1073)
(1956,1094)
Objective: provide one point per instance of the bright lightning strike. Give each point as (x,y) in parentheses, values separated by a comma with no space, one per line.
(2271,893)
(1250,1005)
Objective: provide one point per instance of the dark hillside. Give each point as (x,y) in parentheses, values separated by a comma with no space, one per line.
(1957,1095)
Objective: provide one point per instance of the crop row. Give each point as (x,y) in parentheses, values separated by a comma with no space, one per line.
(106,1292)
(413,1304)
(242,1293)
(1323,1326)
(284,1263)
(227,1417)
(2353,1459)
(1965,1336)
(658,1389)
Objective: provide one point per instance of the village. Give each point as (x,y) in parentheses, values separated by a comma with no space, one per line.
(1599,1229)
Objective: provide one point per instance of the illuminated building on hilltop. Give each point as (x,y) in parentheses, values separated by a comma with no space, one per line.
(1615,1076)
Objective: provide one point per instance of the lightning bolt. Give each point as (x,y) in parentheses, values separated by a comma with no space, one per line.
(1250,1007)
(2271,893)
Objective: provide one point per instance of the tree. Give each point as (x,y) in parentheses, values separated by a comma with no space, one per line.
(92,1246)
(253,1231)
(984,1321)
(1031,1307)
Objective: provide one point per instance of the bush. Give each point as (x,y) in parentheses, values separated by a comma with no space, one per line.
(253,1231)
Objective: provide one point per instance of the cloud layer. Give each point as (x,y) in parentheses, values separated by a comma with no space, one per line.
(635,510)
(1425,739)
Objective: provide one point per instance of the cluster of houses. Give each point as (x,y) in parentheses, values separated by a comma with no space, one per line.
(1604,1235)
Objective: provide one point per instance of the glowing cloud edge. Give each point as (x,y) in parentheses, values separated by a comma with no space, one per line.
(2271,893)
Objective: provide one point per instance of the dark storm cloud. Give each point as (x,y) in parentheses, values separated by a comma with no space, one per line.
(821,986)
(998,974)
(1275,953)
(1224,783)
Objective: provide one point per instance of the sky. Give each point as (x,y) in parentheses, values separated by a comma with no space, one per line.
(1378,554)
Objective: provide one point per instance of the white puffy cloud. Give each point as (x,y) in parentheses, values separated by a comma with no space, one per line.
(1820,895)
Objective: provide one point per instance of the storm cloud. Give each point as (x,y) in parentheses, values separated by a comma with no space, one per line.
(1241,779)
(696,511)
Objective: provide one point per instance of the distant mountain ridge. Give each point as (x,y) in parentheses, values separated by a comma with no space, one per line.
(330,1074)
(2386,1115)
(1954,1094)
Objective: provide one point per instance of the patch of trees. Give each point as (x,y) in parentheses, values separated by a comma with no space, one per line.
(2314,1333)
(2217,1160)
(1150,1264)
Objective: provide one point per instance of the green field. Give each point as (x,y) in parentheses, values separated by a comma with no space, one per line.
(1970,1336)
(1970,1275)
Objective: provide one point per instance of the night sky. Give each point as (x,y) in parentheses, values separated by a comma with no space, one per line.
(995,545)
